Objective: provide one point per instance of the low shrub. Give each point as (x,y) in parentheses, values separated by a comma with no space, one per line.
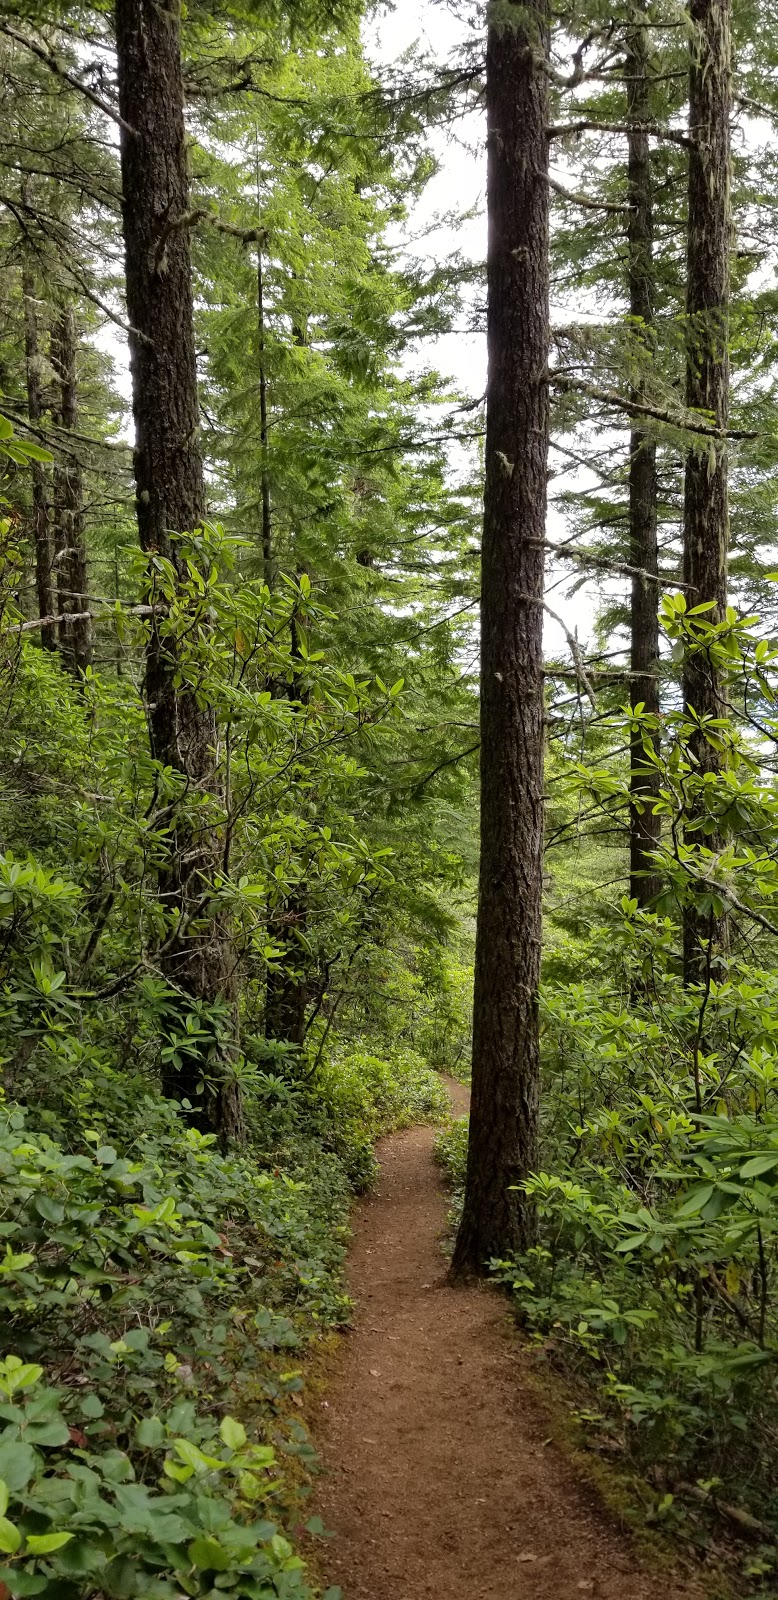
(451,1152)
(154,1297)
(364,1096)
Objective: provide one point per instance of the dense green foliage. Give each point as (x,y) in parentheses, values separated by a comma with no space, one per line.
(652,1279)
(162,1284)
(161,1288)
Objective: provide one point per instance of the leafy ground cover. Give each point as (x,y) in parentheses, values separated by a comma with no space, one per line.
(156,1301)
(650,1285)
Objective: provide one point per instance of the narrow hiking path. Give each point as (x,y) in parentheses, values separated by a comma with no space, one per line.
(440,1479)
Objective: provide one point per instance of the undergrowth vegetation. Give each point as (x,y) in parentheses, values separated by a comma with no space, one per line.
(241,738)
(163,1278)
(156,1301)
(651,1281)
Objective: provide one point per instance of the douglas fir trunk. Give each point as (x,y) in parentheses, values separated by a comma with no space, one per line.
(706,509)
(170,496)
(644,626)
(502,1150)
(41,521)
(75,635)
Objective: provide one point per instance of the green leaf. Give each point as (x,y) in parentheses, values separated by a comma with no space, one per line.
(195,1458)
(757,1165)
(36,452)
(16,1374)
(695,1201)
(42,1544)
(23,1583)
(208,1555)
(10,1537)
(17,1464)
(150,1434)
(718,1202)
(233,1433)
(144,1512)
(52,1432)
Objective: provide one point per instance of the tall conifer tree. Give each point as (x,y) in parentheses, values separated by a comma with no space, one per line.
(644,627)
(503,1120)
(170,489)
(706,502)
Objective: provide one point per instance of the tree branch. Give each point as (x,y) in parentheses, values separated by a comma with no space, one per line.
(558,130)
(622,568)
(61,71)
(575,651)
(190,219)
(686,422)
(78,616)
(576,199)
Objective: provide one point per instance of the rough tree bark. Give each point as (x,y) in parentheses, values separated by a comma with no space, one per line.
(498,1219)
(267,526)
(73,581)
(706,505)
(170,498)
(43,543)
(644,827)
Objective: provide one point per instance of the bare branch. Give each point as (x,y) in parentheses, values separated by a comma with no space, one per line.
(559,130)
(575,651)
(621,568)
(576,199)
(78,616)
(190,219)
(685,421)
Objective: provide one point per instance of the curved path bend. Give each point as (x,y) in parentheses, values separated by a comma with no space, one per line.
(440,1479)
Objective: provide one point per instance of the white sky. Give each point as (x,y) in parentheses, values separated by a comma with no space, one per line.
(459,187)
(460,184)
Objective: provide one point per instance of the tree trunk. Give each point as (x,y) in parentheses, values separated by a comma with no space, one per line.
(644,827)
(75,637)
(170,498)
(43,543)
(706,508)
(286,993)
(267,529)
(287,990)
(497,1219)
(59,536)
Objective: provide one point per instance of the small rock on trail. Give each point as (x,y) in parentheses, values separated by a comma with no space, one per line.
(439,1482)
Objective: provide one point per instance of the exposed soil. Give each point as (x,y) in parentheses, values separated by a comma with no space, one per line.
(441,1479)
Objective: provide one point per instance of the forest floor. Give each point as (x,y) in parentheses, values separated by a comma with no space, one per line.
(440,1478)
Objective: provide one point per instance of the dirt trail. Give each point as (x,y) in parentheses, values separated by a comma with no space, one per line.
(440,1478)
